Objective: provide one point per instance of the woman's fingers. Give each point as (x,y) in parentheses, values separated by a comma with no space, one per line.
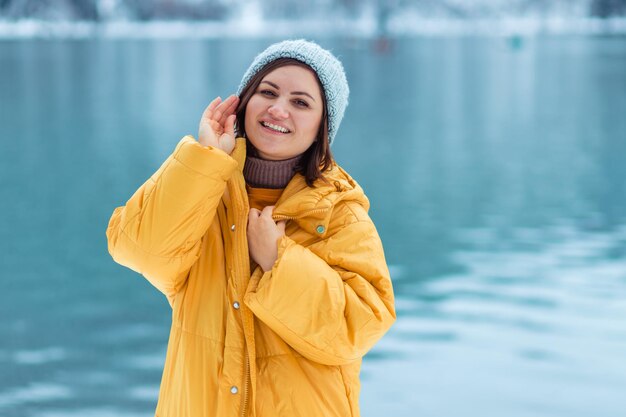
(267,213)
(232,108)
(217,125)
(225,109)
(208,130)
(209,111)
(218,112)
(229,126)
(263,235)
(262,216)
(253,213)
(221,111)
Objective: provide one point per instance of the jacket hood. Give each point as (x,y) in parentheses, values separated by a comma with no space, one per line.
(337,185)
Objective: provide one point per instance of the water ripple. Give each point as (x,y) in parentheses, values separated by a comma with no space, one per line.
(39,356)
(34,393)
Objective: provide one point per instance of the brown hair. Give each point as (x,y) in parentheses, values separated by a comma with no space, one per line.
(317,158)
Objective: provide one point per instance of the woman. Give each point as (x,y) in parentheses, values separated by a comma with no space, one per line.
(264,249)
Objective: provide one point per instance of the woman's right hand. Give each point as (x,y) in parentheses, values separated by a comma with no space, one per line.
(217,125)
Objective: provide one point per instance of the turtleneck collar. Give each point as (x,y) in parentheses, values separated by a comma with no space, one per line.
(269,174)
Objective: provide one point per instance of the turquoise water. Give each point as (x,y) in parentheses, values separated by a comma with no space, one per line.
(495,168)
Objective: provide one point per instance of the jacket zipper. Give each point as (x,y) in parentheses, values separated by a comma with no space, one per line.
(306,213)
(244,407)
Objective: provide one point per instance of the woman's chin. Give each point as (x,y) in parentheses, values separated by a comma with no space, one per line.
(266,147)
(266,151)
(270,155)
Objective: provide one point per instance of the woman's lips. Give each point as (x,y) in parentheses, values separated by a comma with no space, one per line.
(270,130)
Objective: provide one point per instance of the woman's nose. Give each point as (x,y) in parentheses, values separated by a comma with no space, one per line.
(278,111)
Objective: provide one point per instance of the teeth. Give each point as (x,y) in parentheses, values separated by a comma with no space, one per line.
(275,127)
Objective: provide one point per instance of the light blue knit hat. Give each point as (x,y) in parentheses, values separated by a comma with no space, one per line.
(327,67)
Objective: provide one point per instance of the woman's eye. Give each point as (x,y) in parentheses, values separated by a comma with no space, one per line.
(302,103)
(268,93)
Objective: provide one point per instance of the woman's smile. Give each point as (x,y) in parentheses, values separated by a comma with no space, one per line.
(274,128)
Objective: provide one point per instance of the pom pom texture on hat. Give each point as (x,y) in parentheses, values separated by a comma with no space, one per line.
(327,67)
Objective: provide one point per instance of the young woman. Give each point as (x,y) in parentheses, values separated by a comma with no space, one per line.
(264,249)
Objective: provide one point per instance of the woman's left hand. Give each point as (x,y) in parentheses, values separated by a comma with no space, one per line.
(263,235)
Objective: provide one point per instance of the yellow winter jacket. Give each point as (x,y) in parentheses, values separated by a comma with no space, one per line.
(287,342)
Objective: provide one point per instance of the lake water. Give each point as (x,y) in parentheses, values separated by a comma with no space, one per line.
(495,168)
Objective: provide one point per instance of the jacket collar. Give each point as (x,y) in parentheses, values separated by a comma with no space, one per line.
(311,207)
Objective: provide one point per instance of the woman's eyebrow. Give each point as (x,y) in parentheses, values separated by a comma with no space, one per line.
(299,93)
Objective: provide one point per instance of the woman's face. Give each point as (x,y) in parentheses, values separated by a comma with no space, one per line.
(284,114)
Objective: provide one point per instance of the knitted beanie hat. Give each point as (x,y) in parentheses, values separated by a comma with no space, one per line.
(327,67)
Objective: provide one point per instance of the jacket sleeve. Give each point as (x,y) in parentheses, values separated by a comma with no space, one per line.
(158,232)
(331,306)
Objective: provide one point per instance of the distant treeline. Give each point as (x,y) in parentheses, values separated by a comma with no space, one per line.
(96,10)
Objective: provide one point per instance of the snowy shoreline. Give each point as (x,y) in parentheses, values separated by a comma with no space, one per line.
(361,28)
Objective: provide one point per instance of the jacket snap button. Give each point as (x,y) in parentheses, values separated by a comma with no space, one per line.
(232,227)
(236,305)
(320,229)
(234,390)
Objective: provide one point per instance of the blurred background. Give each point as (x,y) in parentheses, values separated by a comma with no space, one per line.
(490,136)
